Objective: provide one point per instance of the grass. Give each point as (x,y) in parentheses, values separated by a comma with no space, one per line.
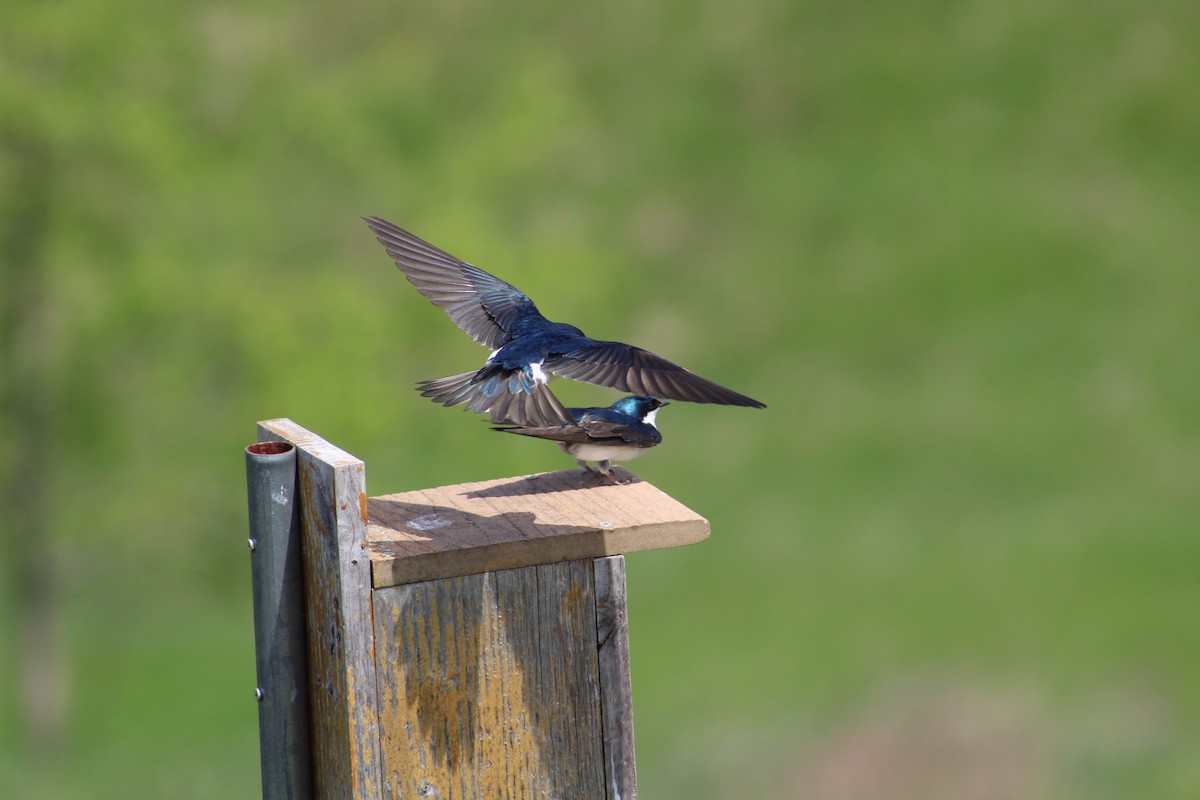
(952,247)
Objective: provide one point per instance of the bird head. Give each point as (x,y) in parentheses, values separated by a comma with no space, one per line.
(640,408)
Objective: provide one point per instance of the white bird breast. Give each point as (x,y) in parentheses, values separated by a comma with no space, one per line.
(599,452)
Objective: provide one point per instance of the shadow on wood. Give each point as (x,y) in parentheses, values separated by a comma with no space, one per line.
(514,522)
(471,641)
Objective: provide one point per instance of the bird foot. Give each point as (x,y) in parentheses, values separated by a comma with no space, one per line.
(609,475)
(614,478)
(594,476)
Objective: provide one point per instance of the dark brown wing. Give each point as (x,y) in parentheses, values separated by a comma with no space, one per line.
(594,426)
(637,371)
(605,431)
(554,433)
(484,306)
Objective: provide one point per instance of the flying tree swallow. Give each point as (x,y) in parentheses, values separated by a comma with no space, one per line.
(621,432)
(527,349)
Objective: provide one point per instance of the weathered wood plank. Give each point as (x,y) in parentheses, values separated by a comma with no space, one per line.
(471,641)
(514,522)
(568,680)
(495,692)
(342,677)
(616,693)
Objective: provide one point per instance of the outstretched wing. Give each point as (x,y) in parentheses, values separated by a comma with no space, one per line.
(637,371)
(484,306)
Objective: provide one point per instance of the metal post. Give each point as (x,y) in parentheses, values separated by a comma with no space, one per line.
(279,639)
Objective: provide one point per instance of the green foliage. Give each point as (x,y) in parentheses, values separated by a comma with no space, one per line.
(951,246)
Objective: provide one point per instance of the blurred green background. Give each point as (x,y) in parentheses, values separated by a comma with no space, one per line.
(952,245)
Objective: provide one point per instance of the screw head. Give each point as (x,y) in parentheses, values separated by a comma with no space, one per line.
(259,694)
(252,544)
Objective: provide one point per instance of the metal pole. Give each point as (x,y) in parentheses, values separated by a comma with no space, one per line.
(279,639)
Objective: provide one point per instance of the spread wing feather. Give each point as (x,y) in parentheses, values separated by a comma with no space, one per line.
(484,306)
(637,371)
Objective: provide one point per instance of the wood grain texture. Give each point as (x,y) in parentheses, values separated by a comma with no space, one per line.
(341,647)
(496,693)
(616,691)
(513,522)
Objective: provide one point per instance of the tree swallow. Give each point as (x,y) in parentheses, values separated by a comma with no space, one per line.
(527,349)
(621,432)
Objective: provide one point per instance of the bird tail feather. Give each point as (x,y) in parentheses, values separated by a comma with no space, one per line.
(509,397)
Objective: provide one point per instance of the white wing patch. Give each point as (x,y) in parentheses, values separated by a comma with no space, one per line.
(538,373)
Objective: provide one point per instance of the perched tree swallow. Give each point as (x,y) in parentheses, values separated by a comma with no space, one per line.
(621,432)
(526,347)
